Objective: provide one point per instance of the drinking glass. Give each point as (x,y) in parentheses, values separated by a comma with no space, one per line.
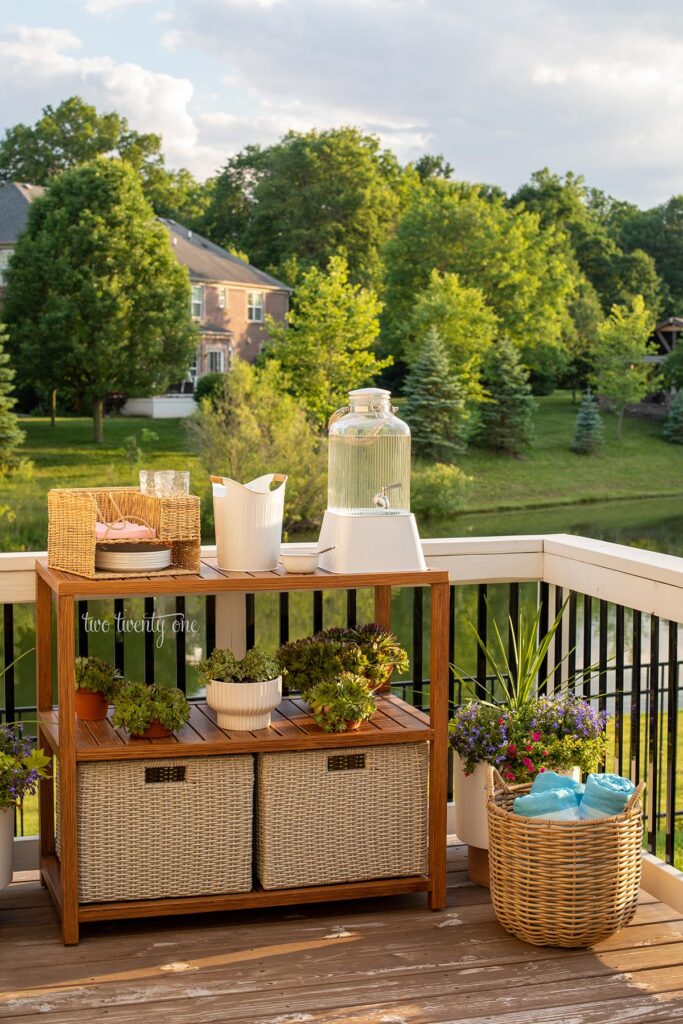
(181,483)
(163,483)
(147,485)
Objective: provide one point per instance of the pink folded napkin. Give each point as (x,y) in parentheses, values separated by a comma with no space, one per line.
(123,530)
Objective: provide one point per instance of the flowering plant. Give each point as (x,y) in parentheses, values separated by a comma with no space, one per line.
(557,732)
(21,765)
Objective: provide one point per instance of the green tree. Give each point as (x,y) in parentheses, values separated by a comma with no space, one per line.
(312,195)
(568,205)
(506,419)
(11,437)
(466,325)
(96,301)
(526,274)
(74,132)
(588,432)
(673,424)
(435,406)
(621,374)
(659,233)
(255,427)
(582,337)
(326,347)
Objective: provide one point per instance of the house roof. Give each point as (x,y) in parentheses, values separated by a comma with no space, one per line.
(207,261)
(15,199)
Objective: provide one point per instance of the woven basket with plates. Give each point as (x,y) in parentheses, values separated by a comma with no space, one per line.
(562,883)
(83,521)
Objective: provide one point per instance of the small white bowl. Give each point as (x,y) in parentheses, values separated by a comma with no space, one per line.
(300,562)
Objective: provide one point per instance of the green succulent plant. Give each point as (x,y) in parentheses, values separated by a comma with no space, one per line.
(338,704)
(137,705)
(381,648)
(98,676)
(256,666)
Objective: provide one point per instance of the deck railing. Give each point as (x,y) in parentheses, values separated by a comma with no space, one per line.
(624,613)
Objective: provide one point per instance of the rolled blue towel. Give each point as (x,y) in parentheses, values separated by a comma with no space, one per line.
(605,795)
(555,804)
(545,781)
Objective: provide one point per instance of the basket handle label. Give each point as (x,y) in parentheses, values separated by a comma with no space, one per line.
(345,762)
(165,773)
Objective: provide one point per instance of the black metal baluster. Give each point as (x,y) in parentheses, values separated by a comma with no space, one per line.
(653,731)
(671,744)
(513,623)
(180,661)
(480,689)
(284,617)
(210,615)
(559,664)
(150,638)
(119,635)
(351,607)
(587,644)
(82,631)
(619,689)
(8,641)
(602,655)
(250,607)
(544,600)
(571,659)
(317,610)
(417,646)
(636,668)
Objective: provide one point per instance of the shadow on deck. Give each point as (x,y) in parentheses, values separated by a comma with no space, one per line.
(389,961)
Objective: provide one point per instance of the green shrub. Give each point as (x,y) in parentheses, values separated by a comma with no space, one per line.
(210,386)
(589,435)
(137,705)
(256,666)
(438,490)
(98,676)
(338,703)
(673,424)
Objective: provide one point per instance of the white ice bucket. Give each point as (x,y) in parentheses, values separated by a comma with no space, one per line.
(248,521)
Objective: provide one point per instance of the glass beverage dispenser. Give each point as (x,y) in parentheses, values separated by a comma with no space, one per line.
(368,519)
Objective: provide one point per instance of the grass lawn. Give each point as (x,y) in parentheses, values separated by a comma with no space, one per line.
(641,465)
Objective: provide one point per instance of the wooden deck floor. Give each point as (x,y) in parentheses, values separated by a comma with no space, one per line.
(385,962)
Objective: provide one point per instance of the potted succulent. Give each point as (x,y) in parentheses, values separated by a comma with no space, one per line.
(150,712)
(381,649)
(522,734)
(96,685)
(242,692)
(343,704)
(21,765)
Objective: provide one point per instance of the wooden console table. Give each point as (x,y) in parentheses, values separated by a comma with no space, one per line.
(72,741)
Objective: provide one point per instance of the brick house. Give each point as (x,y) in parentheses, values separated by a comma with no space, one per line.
(230,298)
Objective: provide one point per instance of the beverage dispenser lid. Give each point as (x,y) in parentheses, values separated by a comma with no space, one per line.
(370,393)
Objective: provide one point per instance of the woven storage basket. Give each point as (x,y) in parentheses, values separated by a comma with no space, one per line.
(341,815)
(72,515)
(562,883)
(154,828)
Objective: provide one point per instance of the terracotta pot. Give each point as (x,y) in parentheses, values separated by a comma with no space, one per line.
(154,731)
(352,726)
(91,706)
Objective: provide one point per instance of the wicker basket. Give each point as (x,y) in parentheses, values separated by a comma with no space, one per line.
(326,816)
(72,515)
(155,828)
(562,883)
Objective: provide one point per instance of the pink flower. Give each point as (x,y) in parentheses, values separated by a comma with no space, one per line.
(535,736)
(546,753)
(528,764)
(500,721)
(541,770)
(510,776)
(528,748)
(512,749)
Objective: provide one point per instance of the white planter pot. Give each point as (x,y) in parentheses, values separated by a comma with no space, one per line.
(244,706)
(6,846)
(469,795)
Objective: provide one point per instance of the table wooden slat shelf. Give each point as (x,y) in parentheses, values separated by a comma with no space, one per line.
(293,728)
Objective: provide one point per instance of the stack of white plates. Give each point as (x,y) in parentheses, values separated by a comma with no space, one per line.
(132,558)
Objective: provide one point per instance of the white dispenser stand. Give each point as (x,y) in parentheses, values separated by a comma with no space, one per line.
(375,542)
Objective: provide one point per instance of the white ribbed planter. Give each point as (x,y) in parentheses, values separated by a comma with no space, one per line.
(244,706)
(6,846)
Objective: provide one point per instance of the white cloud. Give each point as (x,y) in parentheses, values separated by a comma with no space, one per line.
(104,6)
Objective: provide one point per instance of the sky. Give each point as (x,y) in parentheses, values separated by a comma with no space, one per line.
(500,87)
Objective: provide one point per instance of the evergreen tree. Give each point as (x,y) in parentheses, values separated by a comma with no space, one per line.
(435,404)
(588,435)
(506,419)
(673,424)
(10,434)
